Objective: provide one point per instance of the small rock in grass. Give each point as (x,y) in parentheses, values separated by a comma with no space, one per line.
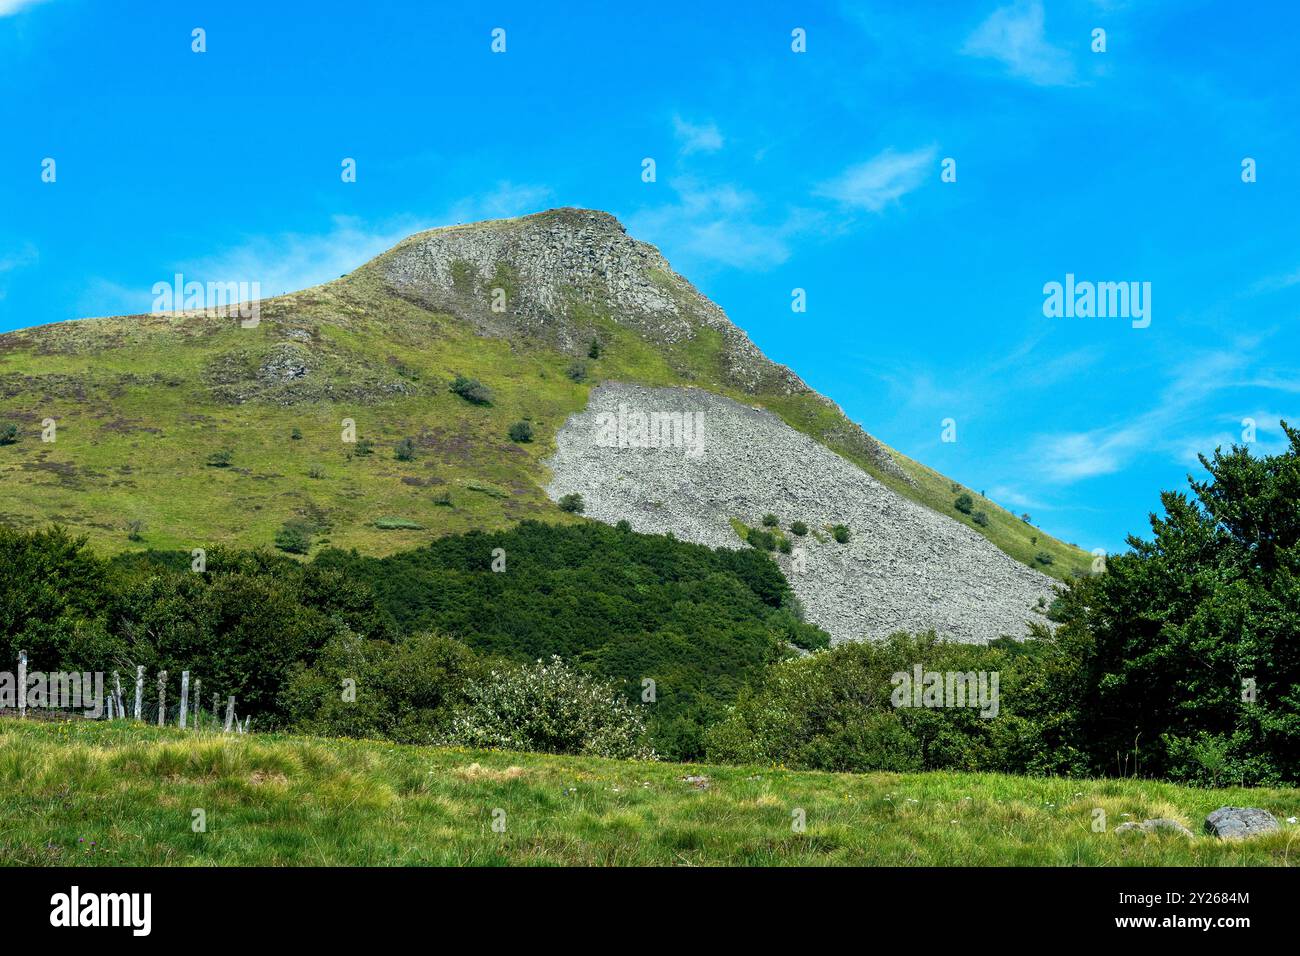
(1235,823)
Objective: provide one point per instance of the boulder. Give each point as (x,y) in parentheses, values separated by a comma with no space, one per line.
(1235,823)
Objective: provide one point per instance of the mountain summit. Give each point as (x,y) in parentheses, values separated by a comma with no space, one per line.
(455,382)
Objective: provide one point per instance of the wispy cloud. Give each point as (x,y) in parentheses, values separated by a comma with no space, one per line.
(9,7)
(19,259)
(881,180)
(1015,36)
(504,201)
(701,138)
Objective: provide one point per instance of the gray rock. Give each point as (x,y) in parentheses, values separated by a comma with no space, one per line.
(1235,823)
(1158,825)
(904,568)
(698,782)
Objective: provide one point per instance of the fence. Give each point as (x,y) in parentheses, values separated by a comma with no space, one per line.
(110,703)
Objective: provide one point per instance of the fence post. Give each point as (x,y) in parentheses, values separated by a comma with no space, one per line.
(230,712)
(185,696)
(162,698)
(198,702)
(139,689)
(117,695)
(22,683)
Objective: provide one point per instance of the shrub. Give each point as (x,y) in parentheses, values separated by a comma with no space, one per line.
(623,525)
(760,539)
(521,432)
(405,450)
(134,529)
(1042,557)
(316,471)
(221,459)
(572,503)
(294,536)
(551,708)
(840,533)
(442,499)
(770,520)
(295,435)
(577,371)
(472,390)
(964,503)
(364,447)
(594,351)
(784,546)
(8,433)
(799,529)
(980,518)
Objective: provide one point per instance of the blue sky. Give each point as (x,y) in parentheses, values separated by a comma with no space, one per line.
(776,170)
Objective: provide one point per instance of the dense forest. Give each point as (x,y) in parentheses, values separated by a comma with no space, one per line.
(1181,660)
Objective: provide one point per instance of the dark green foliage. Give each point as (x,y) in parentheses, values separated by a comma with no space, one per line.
(620,605)
(294,536)
(472,390)
(221,459)
(980,518)
(405,450)
(577,370)
(784,546)
(363,448)
(623,525)
(8,433)
(295,435)
(770,520)
(1195,664)
(836,710)
(572,503)
(521,432)
(964,503)
(760,539)
(593,352)
(799,529)
(840,533)
(1042,557)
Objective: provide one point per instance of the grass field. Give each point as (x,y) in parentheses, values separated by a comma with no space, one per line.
(107,794)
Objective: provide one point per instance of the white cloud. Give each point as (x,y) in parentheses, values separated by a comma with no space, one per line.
(703,138)
(20,259)
(505,201)
(9,7)
(1014,35)
(880,180)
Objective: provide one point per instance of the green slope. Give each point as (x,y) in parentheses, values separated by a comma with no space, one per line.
(141,402)
(117,794)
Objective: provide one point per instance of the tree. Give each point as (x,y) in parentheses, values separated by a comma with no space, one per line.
(1194,631)
(521,432)
(572,503)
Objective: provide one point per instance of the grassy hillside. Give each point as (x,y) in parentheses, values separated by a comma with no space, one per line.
(113,794)
(142,402)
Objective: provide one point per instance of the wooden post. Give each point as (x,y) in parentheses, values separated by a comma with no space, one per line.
(230,712)
(22,683)
(162,698)
(185,696)
(139,689)
(117,695)
(198,702)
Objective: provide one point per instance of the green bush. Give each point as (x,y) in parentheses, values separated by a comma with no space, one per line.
(294,536)
(784,546)
(980,518)
(572,503)
(363,447)
(799,529)
(770,520)
(577,371)
(593,352)
(8,433)
(221,459)
(840,533)
(521,432)
(295,435)
(405,450)
(1043,558)
(964,503)
(760,539)
(472,390)
(551,708)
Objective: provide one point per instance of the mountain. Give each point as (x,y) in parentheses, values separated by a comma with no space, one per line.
(185,430)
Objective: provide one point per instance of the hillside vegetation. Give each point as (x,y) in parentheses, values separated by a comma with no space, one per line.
(116,794)
(186,430)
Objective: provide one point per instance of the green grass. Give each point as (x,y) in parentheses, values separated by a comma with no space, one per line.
(105,794)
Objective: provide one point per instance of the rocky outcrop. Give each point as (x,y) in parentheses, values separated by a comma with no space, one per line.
(708,460)
(1237,823)
(556,275)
